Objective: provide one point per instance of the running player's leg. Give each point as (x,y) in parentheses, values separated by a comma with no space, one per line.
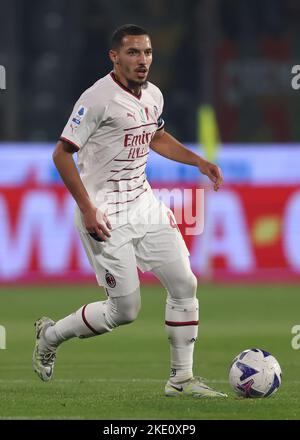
(118,274)
(96,318)
(164,243)
(182,328)
(181,315)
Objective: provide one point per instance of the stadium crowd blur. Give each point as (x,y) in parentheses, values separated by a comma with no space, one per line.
(236,54)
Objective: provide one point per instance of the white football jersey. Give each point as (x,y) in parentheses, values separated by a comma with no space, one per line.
(113,128)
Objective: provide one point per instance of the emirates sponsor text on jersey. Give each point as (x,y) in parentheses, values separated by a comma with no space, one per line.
(138,143)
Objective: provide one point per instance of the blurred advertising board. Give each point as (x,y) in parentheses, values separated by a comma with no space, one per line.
(253,222)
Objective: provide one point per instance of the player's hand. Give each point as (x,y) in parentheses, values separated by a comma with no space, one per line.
(97,223)
(212,171)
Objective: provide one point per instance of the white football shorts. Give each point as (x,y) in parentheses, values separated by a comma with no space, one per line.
(141,244)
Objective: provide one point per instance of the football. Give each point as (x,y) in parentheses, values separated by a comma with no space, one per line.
(255,373)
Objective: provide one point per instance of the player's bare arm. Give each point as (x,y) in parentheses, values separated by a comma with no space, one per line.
(95,221)
(166,145)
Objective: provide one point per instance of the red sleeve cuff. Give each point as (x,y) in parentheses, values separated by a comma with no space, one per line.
(69,142)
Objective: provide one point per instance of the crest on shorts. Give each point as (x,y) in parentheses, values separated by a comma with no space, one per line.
(110,279)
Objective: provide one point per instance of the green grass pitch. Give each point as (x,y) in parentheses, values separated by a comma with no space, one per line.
(121,375)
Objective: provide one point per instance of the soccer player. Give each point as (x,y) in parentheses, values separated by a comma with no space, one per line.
(121,224)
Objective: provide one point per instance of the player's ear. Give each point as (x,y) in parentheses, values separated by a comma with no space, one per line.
(113,55)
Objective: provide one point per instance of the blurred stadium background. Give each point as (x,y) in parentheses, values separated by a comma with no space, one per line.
(235,56)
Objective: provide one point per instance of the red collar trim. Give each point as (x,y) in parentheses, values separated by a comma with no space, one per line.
(123,87)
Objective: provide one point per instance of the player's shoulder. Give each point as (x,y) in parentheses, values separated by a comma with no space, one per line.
(99,92)
(154,91)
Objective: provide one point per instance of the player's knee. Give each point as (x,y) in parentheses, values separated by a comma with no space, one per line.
(191,285)
(126,308)
(128,316)
(184,286)
(130,311)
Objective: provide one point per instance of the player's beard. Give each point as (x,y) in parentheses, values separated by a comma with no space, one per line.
(136,82)
(139,82)
(129,72)
(132,83)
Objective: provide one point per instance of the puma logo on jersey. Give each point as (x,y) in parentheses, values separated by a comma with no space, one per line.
(131,115)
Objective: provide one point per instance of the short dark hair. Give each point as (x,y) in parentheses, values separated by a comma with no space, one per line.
(123,31)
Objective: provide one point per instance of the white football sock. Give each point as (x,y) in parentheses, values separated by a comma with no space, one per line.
(177,376)
(89,320)
(182,329)
(95,318)
(54,337)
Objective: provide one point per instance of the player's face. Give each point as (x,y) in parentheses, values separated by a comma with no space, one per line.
(133,59)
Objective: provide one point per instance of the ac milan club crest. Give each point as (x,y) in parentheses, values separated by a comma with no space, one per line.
(110,279)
